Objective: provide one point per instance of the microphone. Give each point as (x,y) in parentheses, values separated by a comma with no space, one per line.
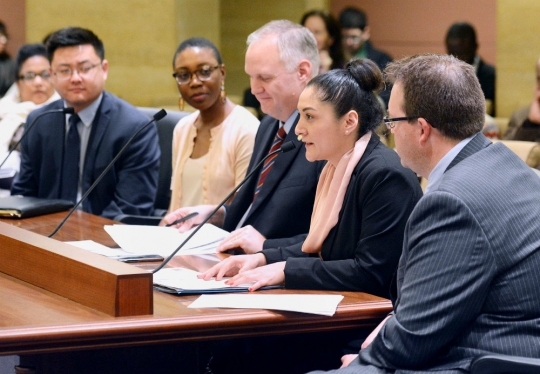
(289,146)
(156,117)
(63,110)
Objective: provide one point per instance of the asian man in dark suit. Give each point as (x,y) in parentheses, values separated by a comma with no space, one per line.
(62,155)
(468,280)
(280,60)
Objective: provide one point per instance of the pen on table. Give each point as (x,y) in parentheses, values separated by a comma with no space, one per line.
(180,220)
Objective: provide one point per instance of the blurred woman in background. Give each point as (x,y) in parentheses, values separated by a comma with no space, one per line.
(7,66)
(326,30)
(33,89)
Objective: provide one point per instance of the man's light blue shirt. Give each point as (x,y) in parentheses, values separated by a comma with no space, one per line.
(436,174)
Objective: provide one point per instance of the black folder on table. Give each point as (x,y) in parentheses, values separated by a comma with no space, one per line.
(186,292)
(25,206)
(182,281)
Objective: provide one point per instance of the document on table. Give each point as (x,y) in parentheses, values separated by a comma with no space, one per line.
(181,281)
(159,240)
(113,253)
(325,305)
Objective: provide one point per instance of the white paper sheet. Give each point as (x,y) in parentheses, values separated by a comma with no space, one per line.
(315,304)
(100,249)
(142,240)
(113,253)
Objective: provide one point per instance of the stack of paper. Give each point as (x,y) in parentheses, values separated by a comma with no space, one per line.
(316,304)
(158,240)
(113,253)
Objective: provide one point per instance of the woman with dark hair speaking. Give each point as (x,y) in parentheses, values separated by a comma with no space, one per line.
(364,195)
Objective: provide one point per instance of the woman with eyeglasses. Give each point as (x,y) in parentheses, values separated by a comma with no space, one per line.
(363,200)
(212,146)
(33,89)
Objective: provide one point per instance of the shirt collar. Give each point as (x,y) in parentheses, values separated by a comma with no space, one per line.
(436,174)
(476,63)
(290,121)
(88,114)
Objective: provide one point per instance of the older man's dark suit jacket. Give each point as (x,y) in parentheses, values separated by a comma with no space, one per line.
(468,281)
(284,204)
(130,185)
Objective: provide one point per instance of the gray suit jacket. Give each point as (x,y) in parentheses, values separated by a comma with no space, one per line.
(469,278)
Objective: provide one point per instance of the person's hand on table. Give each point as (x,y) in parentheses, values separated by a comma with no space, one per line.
(203,210)
(245,238)
(268,275)
(233,265)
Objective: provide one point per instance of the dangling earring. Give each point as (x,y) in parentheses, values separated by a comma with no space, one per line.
(181,103)
(223,94)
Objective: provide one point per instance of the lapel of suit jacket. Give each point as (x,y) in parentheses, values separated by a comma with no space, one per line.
(281,164)
(476,144)
(99,127)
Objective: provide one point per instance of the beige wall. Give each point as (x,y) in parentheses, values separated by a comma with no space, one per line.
(241,17)
(518,49)
(140,38)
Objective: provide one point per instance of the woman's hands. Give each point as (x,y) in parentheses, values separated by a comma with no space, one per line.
(246,269)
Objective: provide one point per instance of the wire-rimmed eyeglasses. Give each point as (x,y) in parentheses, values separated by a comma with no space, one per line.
(65,73)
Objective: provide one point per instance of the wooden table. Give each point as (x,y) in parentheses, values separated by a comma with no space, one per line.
(34,321)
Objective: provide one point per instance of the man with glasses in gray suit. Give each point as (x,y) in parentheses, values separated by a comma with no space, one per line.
(468,281)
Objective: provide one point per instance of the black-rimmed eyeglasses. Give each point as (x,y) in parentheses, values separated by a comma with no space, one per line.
(203,74)
(392,122)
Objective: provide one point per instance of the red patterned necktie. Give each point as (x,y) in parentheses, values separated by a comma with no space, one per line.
(278,141)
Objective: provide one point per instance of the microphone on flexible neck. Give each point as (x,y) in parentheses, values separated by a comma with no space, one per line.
(156,117)
(27,129)
(289,146)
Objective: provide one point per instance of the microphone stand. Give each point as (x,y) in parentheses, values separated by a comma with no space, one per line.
(284,148)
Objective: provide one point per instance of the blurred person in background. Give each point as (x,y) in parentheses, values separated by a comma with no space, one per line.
(525,122)
(355,35)
(32,89)
(461,42)
(327,33)
(7,67)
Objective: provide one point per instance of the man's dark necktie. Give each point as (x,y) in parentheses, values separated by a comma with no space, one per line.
(70,168)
